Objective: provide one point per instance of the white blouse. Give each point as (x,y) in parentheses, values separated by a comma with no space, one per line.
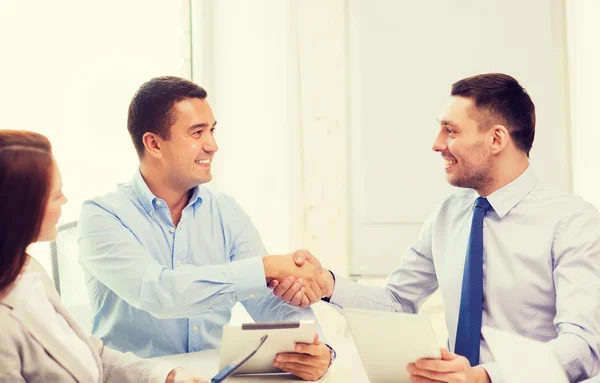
(29,288)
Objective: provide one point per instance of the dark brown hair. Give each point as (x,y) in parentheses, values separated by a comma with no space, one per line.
(151,108)
(25,174)
(500,99)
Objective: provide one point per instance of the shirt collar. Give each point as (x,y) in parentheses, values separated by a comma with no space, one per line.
(507,197)
(197,196)
(147,198)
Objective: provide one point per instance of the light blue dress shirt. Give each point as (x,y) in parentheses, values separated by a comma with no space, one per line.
(541,271)
(156,289)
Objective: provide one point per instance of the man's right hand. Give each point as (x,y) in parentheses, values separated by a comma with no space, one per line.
(289,289)
(294,280)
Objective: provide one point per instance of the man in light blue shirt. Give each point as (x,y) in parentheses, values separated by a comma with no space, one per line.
(538,272)
(165,259)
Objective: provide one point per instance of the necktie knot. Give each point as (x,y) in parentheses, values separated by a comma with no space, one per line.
(483,204)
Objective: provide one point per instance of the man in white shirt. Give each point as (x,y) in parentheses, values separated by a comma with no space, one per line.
(505,252)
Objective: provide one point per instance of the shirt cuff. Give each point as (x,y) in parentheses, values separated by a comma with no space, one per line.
(159,373)
(493,372)
(576,354)
(344,292)
(248,278)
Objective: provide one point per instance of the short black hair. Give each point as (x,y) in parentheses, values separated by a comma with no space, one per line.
(151,108)
(499,98)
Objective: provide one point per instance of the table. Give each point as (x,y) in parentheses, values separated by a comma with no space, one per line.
(347,368)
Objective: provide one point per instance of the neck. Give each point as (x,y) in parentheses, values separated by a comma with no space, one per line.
(503,173)
(175,197)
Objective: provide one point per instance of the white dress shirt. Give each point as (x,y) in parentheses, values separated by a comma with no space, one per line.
(541,271)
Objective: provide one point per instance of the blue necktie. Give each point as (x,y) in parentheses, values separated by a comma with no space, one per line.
(471,300)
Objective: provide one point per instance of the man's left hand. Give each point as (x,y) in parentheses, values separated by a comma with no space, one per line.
(311,362)
(452,368)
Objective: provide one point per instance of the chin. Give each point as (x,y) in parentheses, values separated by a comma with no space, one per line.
(204,180)
(457,182)
(451,180)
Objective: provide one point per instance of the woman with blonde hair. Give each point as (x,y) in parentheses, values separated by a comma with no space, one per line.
(39,341)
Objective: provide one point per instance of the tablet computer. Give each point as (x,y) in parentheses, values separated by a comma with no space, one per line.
(231,368)
(281,337)
(388,342)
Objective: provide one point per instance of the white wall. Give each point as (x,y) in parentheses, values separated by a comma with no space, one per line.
(584,64)
(403,60)
(323,94)
(243,66)
(275,74)
(68,70)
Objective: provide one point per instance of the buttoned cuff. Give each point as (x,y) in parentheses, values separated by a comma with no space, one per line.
(248,278)
(493,372)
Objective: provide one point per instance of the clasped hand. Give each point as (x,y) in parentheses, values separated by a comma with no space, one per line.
(301,280)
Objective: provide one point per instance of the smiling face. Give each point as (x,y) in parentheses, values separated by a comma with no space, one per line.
(188,152)
(463,145)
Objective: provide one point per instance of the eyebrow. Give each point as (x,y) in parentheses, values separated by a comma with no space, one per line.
(202,125)
(449,123)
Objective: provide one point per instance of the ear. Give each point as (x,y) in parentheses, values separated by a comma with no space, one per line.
(152,142)
(499,138)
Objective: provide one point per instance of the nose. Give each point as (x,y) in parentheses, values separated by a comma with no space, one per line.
(210,145)
(439,145)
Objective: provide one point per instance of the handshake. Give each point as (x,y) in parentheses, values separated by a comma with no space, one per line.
(298,278)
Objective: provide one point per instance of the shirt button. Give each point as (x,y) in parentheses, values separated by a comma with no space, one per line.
(251,295)
(179,263)
(151,214)
(210,309)
(158,202)
(195,328)
(172,229)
